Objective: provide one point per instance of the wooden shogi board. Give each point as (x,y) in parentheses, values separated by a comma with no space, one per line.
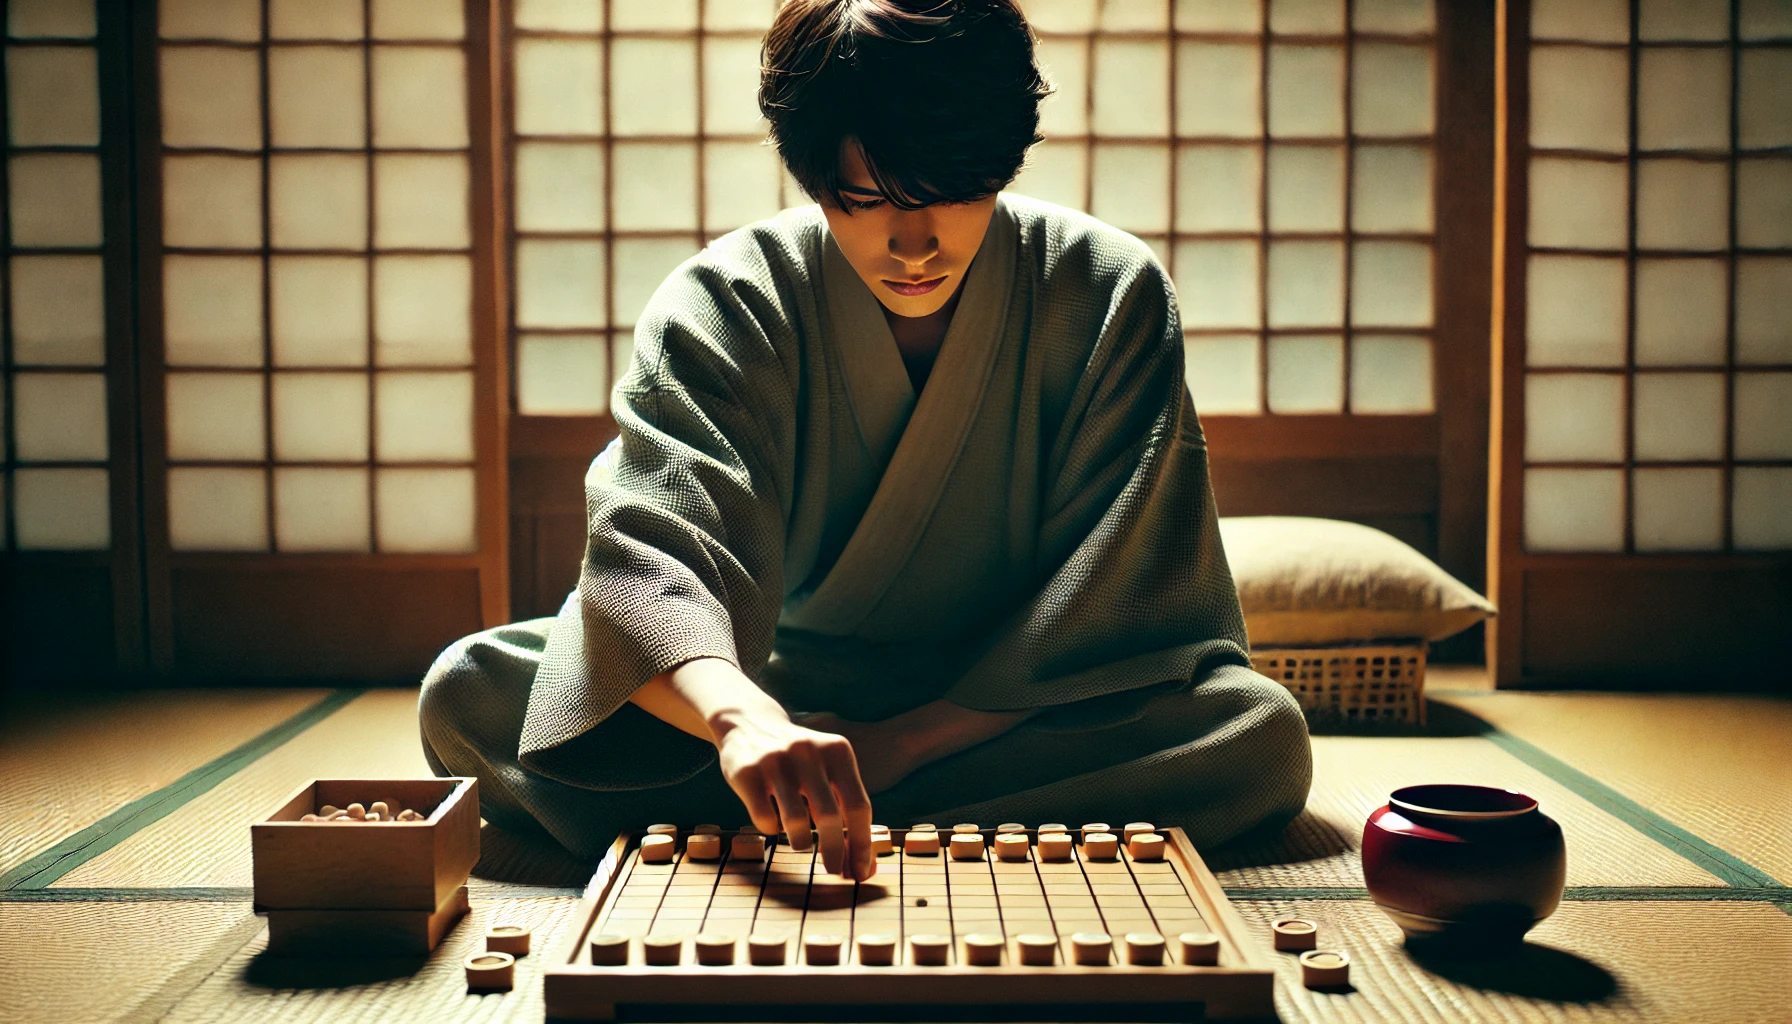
(789,894)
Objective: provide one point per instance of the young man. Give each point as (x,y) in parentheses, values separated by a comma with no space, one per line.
(909,502)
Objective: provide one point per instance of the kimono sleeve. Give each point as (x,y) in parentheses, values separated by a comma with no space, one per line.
(685,514)
(1133,587)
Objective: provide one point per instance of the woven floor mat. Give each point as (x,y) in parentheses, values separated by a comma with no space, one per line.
(65,765)
(206,842)
(68,962)
(1665,963)
(1352,775)
(1719,766)
(251,987)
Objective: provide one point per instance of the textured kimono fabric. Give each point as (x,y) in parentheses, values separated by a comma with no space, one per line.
(1035,530)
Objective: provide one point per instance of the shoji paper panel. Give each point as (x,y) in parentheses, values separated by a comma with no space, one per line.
(55,420)
(282,407)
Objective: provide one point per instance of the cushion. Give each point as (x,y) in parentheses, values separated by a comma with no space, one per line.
(1306,582)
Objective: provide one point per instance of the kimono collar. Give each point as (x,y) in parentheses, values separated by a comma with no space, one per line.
(877,384)
(923,447)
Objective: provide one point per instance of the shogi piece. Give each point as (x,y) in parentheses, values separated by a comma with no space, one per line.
(747,846)
(1324,969)
(1055,846)
(507,938)
(766,950)
(1053,827)
(925,826)
(1144,949)
(1011,846)
(929,950)
(1092,948)
(1146,847)
(880,841)
(662,950)
(703,846)
(1295,934)
(1037,950)
(983,949)
(921,844)
(1101,845)
(714,950)
(1199,949)
(658,849)
(1095,826)
(350,866)
(609,950)
(663,830)
(1010,826)
(1134,828)
(877,949)
(965,828)
(822,950)
(967,846)
(378,932)
(707,830)
(490,972)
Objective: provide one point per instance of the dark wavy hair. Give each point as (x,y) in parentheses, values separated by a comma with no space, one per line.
(941,95)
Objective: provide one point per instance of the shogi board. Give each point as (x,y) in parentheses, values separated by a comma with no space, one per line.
(789,894)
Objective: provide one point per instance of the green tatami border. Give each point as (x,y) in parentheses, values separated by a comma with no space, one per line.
(46,867)
(1719,862)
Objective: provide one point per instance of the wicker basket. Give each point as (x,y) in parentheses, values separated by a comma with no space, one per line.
(1379,683)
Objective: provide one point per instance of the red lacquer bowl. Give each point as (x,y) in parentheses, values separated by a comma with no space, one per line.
(1464,865)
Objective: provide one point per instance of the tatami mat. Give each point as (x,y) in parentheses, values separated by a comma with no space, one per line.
(64,766)
(1718,766)
(205,843)
(1671,963)
(1643,953)
(251,987)
(1352,775)
(67,962)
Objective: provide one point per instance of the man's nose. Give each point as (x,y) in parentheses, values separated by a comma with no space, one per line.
(912,240)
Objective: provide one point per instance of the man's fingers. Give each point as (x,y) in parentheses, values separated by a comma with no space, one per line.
(855,807)
(791,806)
(826,812)
(751,787)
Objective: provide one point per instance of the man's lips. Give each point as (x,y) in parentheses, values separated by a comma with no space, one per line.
(914,287)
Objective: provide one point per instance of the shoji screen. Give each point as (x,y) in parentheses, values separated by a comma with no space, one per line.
(1279,158)
(635,139)
(67,509)
(1286,159)
(1648,425)
(327,430)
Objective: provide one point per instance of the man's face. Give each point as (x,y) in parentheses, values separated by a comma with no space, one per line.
(912,260)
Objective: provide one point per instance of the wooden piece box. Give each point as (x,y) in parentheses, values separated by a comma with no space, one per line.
(396,865)
(316,933)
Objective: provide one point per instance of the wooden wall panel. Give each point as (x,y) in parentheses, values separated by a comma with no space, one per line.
(1631,625)
(288,622)
(58,612)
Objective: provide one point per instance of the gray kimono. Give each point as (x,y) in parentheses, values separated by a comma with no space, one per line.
(1034,530)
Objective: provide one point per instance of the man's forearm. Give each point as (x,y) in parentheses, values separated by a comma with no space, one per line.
(703,697)
(942,728)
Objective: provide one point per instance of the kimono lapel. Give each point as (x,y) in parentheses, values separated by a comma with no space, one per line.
(929,447)
(877,384)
